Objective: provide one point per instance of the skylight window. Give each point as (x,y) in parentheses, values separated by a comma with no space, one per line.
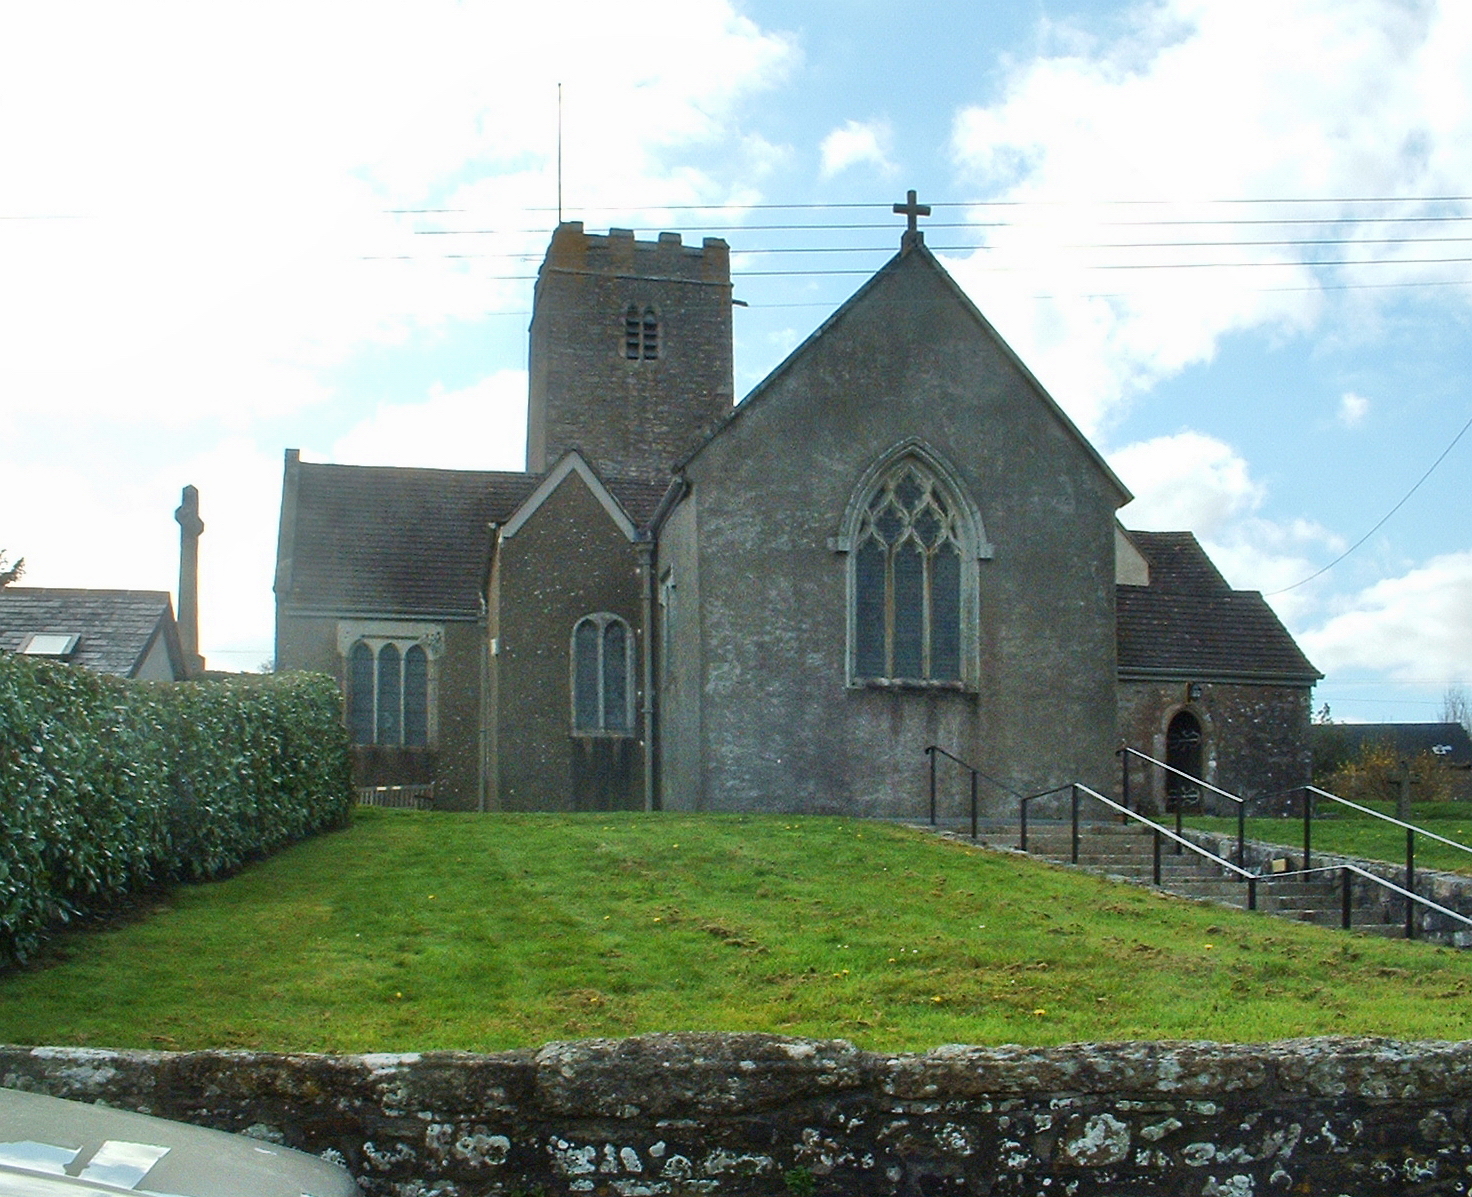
(49,644)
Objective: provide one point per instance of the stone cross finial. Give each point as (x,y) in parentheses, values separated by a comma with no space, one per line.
(190,528)
(913,235)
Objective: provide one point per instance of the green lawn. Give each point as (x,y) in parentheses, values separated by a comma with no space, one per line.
(418,931)
(1343,832)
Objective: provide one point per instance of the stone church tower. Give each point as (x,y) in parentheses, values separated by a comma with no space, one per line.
(630,355)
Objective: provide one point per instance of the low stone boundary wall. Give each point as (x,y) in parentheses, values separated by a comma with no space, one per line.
(760,1114)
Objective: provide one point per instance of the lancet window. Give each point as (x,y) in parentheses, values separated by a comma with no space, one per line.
(602,676)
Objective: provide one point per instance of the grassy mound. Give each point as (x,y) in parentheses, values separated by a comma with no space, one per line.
(419,931)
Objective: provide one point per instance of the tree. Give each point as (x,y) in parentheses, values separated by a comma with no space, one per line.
(1456,707)
(9,573)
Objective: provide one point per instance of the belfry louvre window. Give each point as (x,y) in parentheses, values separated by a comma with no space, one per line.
(641,334)
(602,660)
(388,694)
(907,577)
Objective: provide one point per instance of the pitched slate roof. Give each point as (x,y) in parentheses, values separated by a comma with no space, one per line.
(1448,742)
(117,628)
(392,540)
(1189,623)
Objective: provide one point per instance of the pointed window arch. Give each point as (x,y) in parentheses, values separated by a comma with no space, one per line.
(913,541)
(602,674)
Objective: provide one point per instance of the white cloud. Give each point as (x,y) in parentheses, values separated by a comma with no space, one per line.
(1185,481)
(94,529)
(213,243)
(1416,627)
(858,142)
(482,427)
(226,171)
(1197,483)
(1199,104)
(1353,409)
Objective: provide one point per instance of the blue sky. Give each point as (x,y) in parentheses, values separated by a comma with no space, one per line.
(228,230)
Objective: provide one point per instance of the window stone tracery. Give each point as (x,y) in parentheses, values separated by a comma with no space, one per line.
(912,544)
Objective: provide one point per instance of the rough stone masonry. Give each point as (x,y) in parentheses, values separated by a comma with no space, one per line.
(761,1114)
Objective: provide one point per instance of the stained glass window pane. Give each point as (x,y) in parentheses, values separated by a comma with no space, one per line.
(909,492)
(945,614)
(360,693)
(585,676)
(416,697)
(889,525)
(869,610)
(929,526)
(389,681)
(909,611)
(615,678)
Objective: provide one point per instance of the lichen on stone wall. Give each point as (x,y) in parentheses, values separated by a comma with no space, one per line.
(739,1115)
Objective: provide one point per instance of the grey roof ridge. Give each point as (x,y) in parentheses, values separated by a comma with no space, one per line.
(403,469)
(918,248)
(1151,673)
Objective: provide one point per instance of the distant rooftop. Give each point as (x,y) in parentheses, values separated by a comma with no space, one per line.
(1448,742)
(107,631)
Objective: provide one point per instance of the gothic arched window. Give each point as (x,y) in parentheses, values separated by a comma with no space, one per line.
(913,543)
(602,673)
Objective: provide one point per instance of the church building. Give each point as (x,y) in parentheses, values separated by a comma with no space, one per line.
(898,539)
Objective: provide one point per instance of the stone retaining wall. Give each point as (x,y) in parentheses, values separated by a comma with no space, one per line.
(1451,890)
(760,1114)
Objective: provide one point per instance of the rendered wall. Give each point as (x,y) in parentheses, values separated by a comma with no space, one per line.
(781,729)
(731,1115)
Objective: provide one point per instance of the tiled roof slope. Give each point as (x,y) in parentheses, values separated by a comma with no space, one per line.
(392,540)
(1189,623)
(116,627)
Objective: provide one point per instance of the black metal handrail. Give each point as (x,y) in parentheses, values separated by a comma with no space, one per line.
(1022,814)
(1412,898)
(1346,902)
(1159,831)
(1411,830)
(1124,755)
(934,750)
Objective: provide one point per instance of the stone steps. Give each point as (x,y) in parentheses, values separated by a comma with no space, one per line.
(1127,852)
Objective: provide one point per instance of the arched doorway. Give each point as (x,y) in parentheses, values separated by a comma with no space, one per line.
(1183,752)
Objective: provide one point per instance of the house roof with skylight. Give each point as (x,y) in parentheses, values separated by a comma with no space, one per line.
(128,633)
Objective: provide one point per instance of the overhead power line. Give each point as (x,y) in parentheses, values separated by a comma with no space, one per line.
(1217,222)
(1380,523)
(886,207)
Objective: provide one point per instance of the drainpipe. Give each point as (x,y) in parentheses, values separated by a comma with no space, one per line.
(646,571)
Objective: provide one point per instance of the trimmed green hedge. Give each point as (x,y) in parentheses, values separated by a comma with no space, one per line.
(107,785)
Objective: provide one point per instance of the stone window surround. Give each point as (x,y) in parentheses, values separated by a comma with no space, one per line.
(602,620)
(403,635)
(970,534)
